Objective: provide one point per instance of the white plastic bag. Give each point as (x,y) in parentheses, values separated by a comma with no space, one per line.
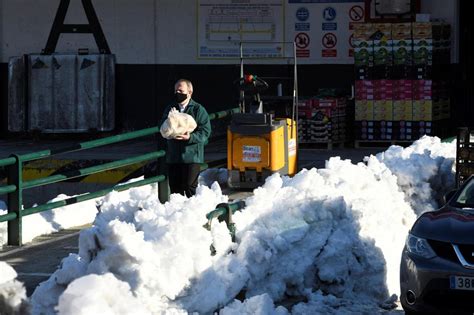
(177,124)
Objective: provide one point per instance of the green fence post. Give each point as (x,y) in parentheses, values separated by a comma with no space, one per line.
(163,187)
(15,201)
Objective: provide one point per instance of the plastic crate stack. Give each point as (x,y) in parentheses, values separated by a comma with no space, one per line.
(400,90)
(322,120)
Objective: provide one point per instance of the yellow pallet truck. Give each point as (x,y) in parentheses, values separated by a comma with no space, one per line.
(261,142)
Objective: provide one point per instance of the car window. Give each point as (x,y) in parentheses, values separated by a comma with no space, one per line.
(466,197)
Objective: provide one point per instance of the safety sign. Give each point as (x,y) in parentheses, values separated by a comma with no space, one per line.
(302,40)
(329,14)
(302,53)
(321,28)
(356,13)
(326,53)
(351,41)
(329,26)
(302,27)
(251,153)
(302,14)
(329,40)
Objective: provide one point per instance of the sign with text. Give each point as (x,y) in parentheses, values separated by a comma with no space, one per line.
(223,24)
(333,23)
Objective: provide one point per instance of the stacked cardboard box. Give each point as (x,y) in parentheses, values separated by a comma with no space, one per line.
(322,120)
(412,130)
(394,130)
(402,51)
(364,104)
(383,51)
(398,96)
(422,100)
(422,44)
(383,103)
(374,130)
(363,50)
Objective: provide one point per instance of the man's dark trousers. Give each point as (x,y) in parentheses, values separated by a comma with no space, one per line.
(183,178)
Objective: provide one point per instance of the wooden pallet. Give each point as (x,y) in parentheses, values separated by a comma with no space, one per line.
(380,143)
(326,145)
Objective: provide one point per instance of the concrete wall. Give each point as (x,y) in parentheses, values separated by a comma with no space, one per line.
(138,31)
(129,27)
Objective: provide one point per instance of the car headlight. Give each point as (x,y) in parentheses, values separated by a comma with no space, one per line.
(419,246)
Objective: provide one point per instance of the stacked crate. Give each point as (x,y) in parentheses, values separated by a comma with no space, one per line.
(399,94)
(322,120)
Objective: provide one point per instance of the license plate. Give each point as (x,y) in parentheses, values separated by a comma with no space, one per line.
(462,283)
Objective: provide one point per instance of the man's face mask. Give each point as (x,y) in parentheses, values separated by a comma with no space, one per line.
(180,97)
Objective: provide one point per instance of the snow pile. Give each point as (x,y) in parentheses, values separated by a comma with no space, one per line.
(110,296)
(425,171)
(260,304)
(331,238)
(211,175)
(3,225)
(156,249)
(48,222)
(12,292)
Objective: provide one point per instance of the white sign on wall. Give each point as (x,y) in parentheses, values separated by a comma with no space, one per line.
(223,24)
(322,29)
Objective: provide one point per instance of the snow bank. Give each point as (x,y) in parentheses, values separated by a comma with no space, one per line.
(425,171)
(12,292)
(331,237)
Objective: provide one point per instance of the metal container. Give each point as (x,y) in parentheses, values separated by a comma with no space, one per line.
(62,93)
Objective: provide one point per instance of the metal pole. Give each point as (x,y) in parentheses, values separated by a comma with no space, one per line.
(242,93)
(15,202)
(163,186)
(295,102)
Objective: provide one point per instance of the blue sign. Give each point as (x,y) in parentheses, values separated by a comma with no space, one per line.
(302,26)
(329,26)
(302,14)
(329,14)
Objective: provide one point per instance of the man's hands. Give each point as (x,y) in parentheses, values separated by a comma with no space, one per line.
(184,136)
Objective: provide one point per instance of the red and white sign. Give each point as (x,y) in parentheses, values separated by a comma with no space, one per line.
(329,53)
(302,40)
(356,13)
(302,53)
(329,40)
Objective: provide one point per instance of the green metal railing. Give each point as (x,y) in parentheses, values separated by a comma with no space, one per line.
(224,212)
(15,184)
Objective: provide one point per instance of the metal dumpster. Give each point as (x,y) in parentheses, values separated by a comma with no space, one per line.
(61,93)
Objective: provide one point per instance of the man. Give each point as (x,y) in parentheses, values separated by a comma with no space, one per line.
(185,152)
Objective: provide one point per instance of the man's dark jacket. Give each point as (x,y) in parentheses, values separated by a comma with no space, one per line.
(192,150)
